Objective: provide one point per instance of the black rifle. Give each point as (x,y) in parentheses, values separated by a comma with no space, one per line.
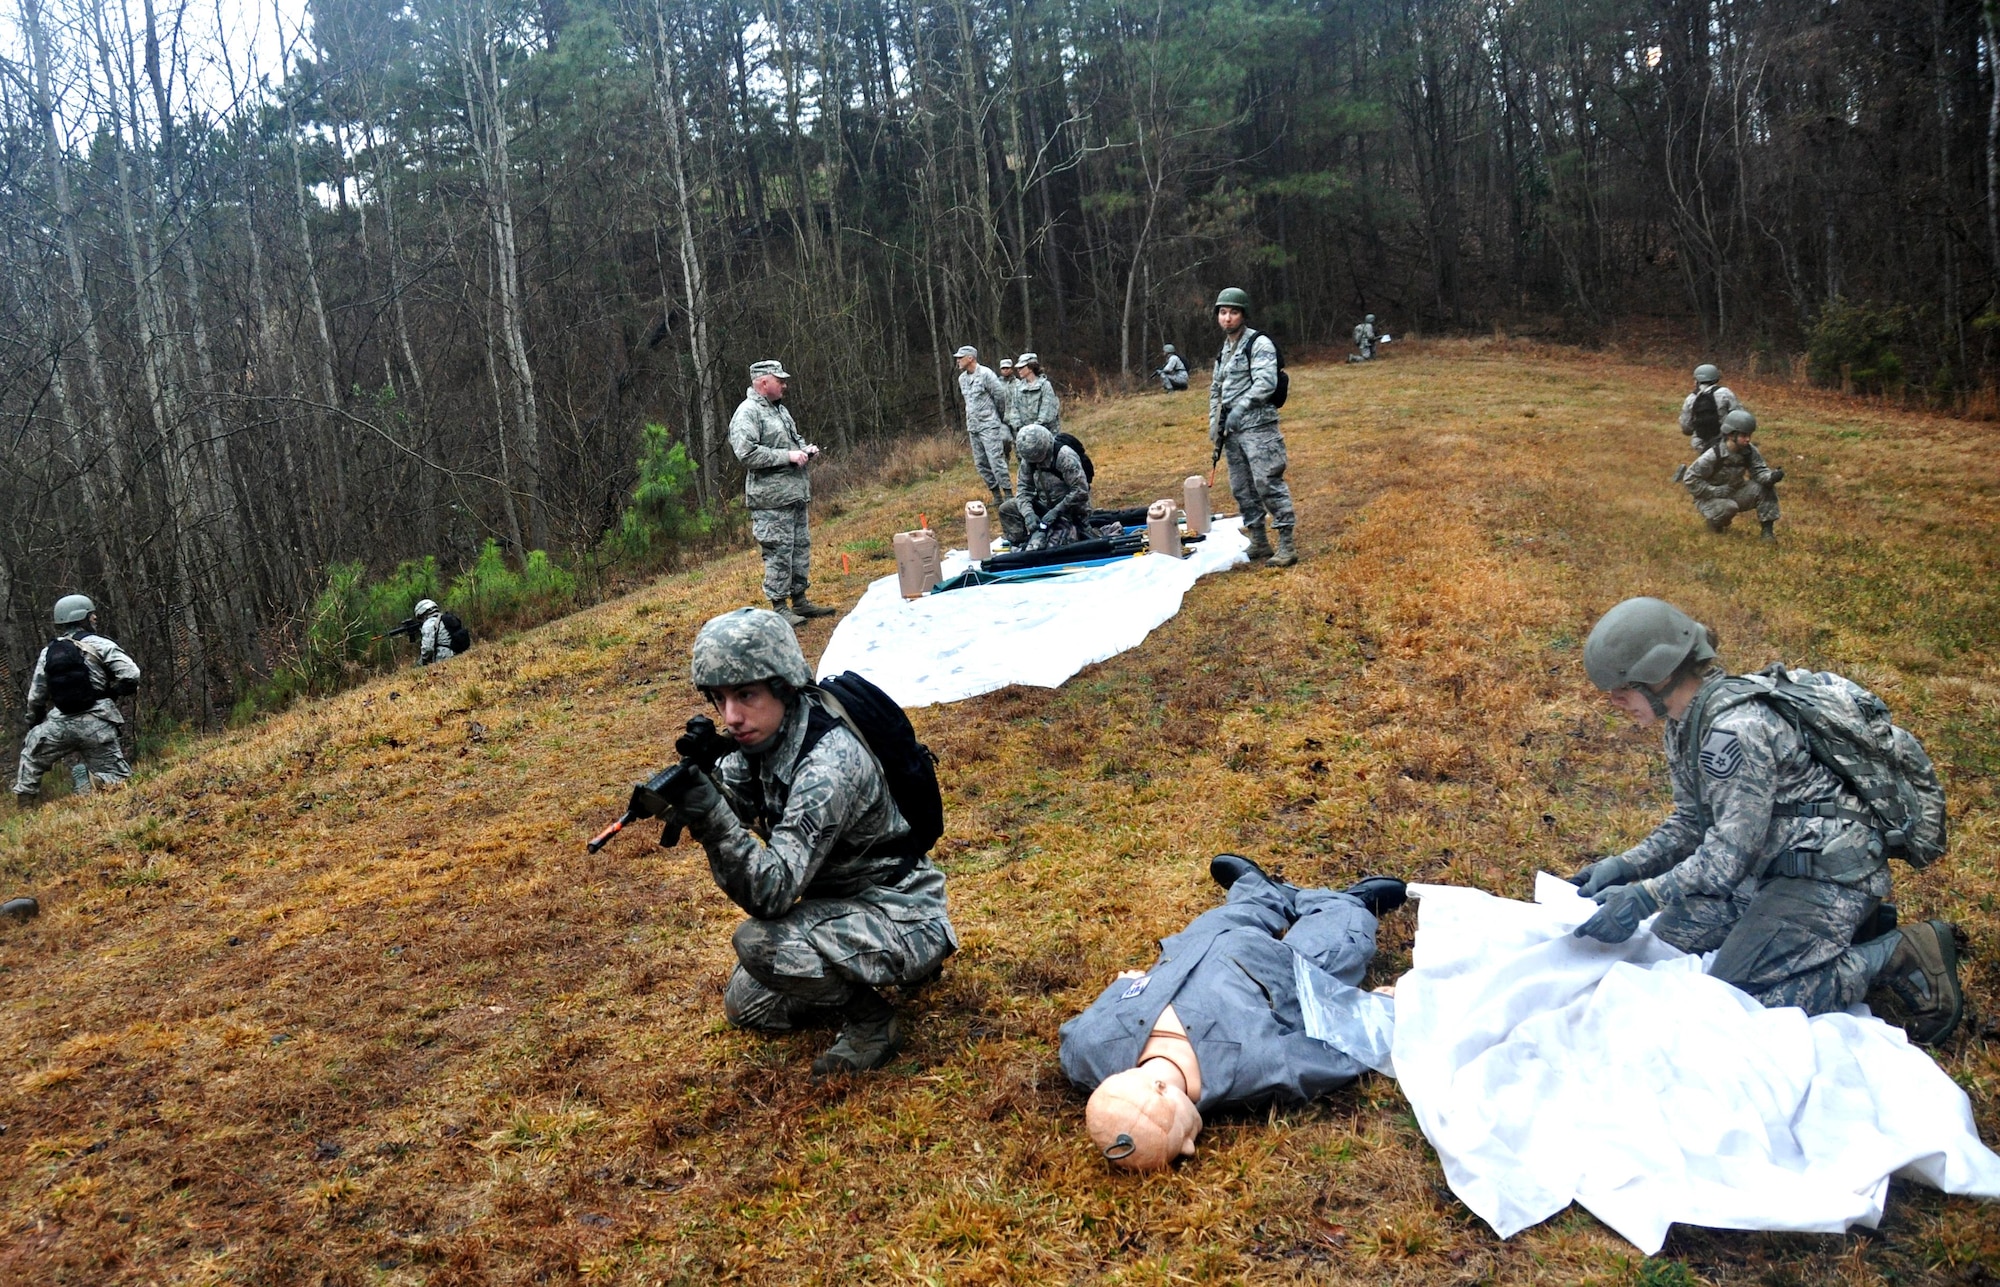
(701,748)
(409,626)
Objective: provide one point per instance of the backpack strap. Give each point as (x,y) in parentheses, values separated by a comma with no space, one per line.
(823,717)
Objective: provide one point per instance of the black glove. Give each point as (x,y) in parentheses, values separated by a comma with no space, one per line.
(122,688)
(690,791)
(1776,476)
(1602,875)
(1620,909)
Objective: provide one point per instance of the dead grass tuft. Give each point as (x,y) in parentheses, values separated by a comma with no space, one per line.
(340,999)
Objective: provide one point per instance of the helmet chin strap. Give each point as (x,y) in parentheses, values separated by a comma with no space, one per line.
(1653,699)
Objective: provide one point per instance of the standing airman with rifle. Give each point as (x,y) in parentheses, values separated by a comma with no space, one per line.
(1243,425)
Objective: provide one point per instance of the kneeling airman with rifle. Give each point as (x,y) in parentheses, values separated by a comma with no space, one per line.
(802,812)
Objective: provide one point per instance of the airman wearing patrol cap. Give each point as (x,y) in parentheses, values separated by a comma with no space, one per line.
(777,487)
(986,402)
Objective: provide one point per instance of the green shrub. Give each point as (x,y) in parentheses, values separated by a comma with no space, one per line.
(662,514)
(1862,342)
(489,594)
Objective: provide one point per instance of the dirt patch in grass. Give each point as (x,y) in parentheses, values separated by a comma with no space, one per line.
(341,999)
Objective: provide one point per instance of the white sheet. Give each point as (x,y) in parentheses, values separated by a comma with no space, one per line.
(947,647)
(1546,1068)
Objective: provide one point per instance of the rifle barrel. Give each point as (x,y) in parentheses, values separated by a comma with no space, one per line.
(603,837)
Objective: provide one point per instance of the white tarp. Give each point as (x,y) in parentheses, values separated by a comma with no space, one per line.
(947,647)
(1546,1068)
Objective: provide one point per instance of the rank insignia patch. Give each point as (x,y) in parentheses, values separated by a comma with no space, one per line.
(1721,755)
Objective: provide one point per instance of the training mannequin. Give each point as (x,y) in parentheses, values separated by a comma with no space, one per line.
(1216,1022)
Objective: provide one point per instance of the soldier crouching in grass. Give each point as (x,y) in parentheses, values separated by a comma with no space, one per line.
(802,833)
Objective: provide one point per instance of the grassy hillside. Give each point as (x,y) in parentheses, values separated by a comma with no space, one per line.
(342,999)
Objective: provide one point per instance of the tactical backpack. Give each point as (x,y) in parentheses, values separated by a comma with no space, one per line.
(1284,389)
(1705,419)
(1070,441)
(1848,729)
(67,672)
(909,768)
(456,634)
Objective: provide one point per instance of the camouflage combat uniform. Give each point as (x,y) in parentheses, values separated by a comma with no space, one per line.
(434,643)
(1364,339)
(1725,484)
(1035,404)
(777,491)
(1725,402)
(1054,489)
(986,400)
(92,735)
(1778,897)
(827,913)
(1243,423)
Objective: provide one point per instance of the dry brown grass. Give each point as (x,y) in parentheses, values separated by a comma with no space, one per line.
(340,999)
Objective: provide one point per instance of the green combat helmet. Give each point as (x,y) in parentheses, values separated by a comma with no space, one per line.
(1035,444)
(1707,373)
(72,608)
(748,646)
(1640,644)
(1233,297)
(1739,421)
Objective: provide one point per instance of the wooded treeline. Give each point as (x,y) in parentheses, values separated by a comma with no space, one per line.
(425,287)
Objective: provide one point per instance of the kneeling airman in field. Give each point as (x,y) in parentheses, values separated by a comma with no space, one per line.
(803,833)
(1731,478)
(72,703)
(1774,859)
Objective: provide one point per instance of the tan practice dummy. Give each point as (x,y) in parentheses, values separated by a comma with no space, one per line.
(1163,529)
(978,532)
(1143,1118)
(1195,492)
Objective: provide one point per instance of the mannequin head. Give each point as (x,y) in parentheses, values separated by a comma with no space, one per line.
(1141,1119)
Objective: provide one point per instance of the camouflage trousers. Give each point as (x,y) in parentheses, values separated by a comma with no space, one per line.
(1722,505)
(991,447)
(1788,943)
(1257,476)
(787,544)
(798,969)
(94,739)
(1018,519)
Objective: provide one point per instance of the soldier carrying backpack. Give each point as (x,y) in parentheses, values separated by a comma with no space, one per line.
(1792,790)
(441,635)
(1703,411)
(72,702)
(818,824)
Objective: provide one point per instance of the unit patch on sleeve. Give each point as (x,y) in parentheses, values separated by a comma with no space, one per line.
(1721,755)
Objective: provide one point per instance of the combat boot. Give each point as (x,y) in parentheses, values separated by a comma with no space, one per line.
(1918,989)
(807,608)
(1767,534)
(868,1039)
(1718,525)
(1260,544)
(1286,555)
(792,619)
